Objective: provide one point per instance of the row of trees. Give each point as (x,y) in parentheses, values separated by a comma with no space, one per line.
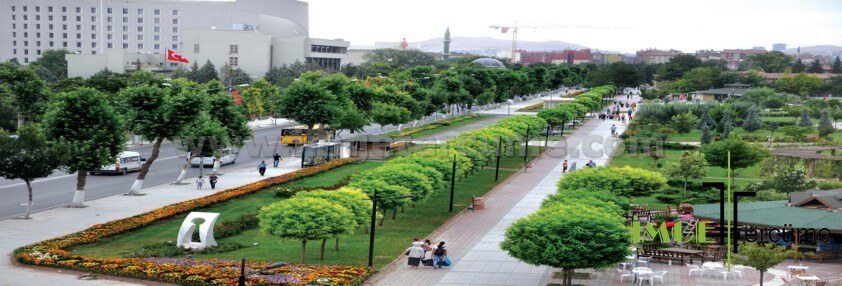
(591,100)
(581,226)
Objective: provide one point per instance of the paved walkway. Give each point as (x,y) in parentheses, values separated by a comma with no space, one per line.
(473,237)
(56,222)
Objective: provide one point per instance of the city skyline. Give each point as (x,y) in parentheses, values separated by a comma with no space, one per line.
(626,28)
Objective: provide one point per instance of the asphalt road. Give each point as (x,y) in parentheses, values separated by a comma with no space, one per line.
(57,189)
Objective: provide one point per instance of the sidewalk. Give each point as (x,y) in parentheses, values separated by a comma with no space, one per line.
(473,238)
(56,222)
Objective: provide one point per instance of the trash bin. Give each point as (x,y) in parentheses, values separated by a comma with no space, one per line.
(479,203)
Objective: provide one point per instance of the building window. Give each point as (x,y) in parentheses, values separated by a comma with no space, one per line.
(37,8)
(50,26)
(38,35)
(37,43)
(140,37)
(157,12)
(174,12)
(64,27)
(26,34)
(109,10)
(64,9)
(38,52)
(14,34)
(125,11)
(109,45)
(78,18)
(125,28)
(51,44)
(139,46)
(125,45)
(175,38)
(38,26)
(78,27)
(140,29)
(157,47)
(13,8)
(93,27)
(50,18)
(78,36)
(109,36)
(14,26)
(175,29)
(125,19)
(156,38)
(14,51)
(13,17)
(233,49)
(93,52)
(175,46)
(157,29)
(175,21)
(109,19)
(125,37)
(93,36)
(78,9)
(93,10)
(25,26)
(51,35)
(93,18)
(37,17)
(64,18)
(25,52)
(140,20)
(196,48)
(157,20)
(140,11)
(233,61)
(64,35)
(24,9)
(25,18)
(64,44)
(78,44)
(26,43)
(109,28)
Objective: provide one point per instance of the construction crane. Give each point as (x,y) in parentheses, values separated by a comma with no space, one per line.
(505,29)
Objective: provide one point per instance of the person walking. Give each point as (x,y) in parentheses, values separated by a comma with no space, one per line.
(212,180)
(564,166)
(591,164)
(613,129)
(276,159)
(416,252)
(199,183)
(573,167)
(428,253)
(261,168)
(439,255)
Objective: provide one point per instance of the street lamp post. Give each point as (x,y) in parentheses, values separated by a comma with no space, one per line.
(452,182)
(374,199)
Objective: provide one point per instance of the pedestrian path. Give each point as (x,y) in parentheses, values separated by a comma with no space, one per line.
(473,237)
(57,222)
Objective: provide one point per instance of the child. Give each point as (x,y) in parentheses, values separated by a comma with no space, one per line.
(199,183)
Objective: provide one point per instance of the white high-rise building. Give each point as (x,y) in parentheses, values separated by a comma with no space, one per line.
(122,32)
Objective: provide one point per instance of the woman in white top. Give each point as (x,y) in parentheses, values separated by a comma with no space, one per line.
(416,252)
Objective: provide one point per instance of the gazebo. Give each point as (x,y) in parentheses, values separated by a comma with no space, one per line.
(824,157)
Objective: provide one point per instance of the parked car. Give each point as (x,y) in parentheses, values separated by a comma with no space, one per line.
(229,156)
(552,133)
(126,162)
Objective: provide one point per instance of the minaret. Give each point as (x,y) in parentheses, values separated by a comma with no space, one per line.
(445,54)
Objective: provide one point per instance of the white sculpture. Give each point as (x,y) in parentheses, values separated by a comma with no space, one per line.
(185,234)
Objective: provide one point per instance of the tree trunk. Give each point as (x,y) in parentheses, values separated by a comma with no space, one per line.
(183,173)
(138,183)
(395,213)
(382,218)
(336,247)
(761,278)
(29,205)
(79,196)
(303,251)
(322,250)
(570,276)
(322,132)
(684,194)
(309,134)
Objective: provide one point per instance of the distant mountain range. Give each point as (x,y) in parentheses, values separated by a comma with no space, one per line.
(817,50)
(490,46)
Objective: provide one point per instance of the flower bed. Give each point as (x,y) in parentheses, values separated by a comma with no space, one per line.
(532,107)
(574,93)
(54,253)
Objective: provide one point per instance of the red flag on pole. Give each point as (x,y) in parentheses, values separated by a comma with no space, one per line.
(504,29)
(237,98)
(176,57)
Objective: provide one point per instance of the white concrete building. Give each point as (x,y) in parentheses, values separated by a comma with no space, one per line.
(111,33)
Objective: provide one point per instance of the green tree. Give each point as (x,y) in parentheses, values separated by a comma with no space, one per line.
(788,179)
(354,200)
(308,102)
(52,61)
(231,76)
(805,118)
(386,114)
(706,138)
(677,66)
(88,126)
(28,156)
(206,73)
(400,59)
(825,127)
(743,155)
(107,81)
(223,109)
(691,165)
(556,116)
(762,257)
(306,219)
(769,62)
(815,67)
(683,122)
(798,66)
(158,115)
(389,196)
(752,122)
(27,91)
(801,84)
(259,96)
(204,137)
(796,132)
(705,120)
(836,67)
(701,78)
(569,237)
(193,73)
(726,124)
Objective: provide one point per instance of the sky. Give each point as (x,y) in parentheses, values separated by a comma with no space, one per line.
(615,25)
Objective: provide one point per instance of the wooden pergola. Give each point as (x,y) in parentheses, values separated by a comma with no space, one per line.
(810,155)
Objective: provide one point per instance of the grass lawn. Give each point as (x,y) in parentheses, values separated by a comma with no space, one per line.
(441,128)
(715,174)
(696,135)
(767,119)
(392,238)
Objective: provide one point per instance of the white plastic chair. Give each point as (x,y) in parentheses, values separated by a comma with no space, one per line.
(643,260)
(691,268)
(623,274)
(660,276)
(738,269)
(646,276)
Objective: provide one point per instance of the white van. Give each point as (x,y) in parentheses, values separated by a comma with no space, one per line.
(228,157)
(126,162)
